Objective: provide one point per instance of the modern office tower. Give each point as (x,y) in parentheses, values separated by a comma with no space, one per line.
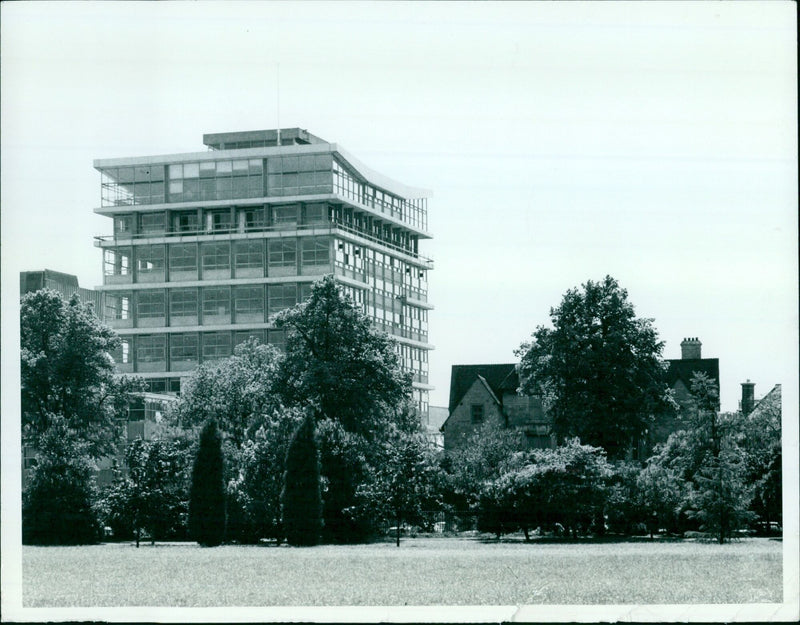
(209,246)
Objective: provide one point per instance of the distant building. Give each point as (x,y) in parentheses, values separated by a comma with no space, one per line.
(750,407)
(679,379)
(64,283)
(209,246)
(436,417)
(481,394)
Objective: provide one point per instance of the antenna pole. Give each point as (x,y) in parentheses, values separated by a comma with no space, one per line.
(279,103)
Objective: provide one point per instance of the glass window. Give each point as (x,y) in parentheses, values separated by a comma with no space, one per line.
(240,168)
(281,296)
(150,304)
(476,413)
(282,252)
(255,218)
(152,222)
(316,251)
(216,256)
(249,303)
(151,348)
(316,213)
(255,166)
(150,259)
(117,262)
(221,220)
(216,345)
(249,254)
(208,169)
(284,214)
(117,306)
(224,167)
(183,303)
(123,354)
(175,171)
(277,338)
(123,224)
(183,257)
(216,301)
(185,221)
(191,170)
(184,348)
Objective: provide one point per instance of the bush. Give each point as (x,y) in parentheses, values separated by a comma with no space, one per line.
(58,506)
(300,499)
(207,496)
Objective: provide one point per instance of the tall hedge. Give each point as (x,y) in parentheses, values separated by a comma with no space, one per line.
(301,500)
(207,496)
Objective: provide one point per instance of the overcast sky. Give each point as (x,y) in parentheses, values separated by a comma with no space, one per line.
(655,142)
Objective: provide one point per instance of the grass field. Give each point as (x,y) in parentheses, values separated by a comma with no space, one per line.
(423,571)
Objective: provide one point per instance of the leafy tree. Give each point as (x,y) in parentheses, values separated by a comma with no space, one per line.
(237,392)
(207,495)
(338,363)
(661,492)
(758,435)
(301,499)
(347,461)
(564,486)
(599,368)
(403,487)
(153,495)
(256,488)
(66,370)
(58,506)
(485,455)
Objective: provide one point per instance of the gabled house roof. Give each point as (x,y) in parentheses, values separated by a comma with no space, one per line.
(684,368)
(497,378)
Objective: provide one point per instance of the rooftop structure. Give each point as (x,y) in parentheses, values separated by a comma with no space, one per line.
(208,247)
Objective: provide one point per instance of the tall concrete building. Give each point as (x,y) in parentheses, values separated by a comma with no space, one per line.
(208,247)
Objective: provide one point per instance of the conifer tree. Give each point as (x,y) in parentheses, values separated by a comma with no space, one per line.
(207,496)
(301,500)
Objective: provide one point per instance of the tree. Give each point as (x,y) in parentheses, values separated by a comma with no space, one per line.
(486,454)
(758,435)
(256,488)
(719,497)
(152,496)
(661,492)
(599,369)
(58,506)
(404,484)
(207,495)
(237,392)
(338,363)
(66,371)
(564,486)
(301,499)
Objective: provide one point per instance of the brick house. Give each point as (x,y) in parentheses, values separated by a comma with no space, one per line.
(481,394)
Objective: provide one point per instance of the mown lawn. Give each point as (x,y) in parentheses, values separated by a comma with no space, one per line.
(423,571)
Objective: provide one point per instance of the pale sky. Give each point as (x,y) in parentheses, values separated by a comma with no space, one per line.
(655,142)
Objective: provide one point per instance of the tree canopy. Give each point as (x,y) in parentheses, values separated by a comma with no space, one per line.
(236,392)
(338,363)
(599,368)
(66,371)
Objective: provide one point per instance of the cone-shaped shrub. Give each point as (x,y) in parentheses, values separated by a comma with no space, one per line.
(207,497)
(301,500)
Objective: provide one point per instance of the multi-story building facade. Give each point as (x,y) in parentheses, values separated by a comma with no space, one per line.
(208,247)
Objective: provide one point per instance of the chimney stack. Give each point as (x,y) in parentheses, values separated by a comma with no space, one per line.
(690,349)
(748,397)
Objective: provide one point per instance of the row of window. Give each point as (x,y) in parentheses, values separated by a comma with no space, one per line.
(412,211)
(202,221)
(184,351)
(217,180)
(198,306)
(248,257)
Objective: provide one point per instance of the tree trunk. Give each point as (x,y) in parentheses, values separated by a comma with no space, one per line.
(397,533)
